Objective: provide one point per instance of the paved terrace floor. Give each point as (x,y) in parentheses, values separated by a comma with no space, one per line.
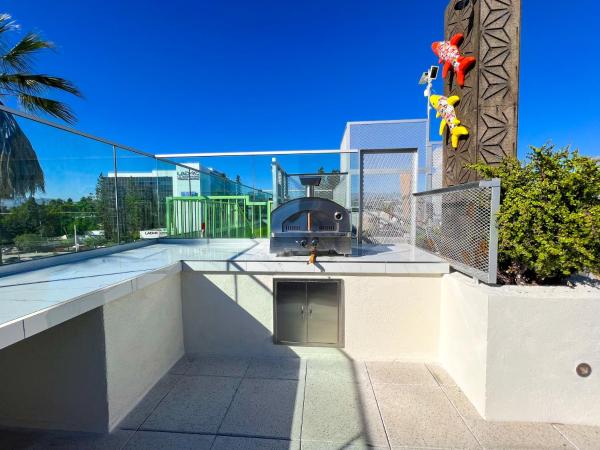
(318,404)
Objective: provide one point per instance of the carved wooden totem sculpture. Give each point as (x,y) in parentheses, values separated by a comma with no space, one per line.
(489,98)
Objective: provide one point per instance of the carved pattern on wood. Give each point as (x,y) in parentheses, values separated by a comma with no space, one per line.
(489,98)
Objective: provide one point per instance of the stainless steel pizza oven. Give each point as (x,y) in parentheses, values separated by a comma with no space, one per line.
(310,225)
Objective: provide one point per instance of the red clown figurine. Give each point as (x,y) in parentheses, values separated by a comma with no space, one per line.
(449,54)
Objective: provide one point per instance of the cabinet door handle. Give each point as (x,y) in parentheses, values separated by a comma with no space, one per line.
(310,310)
(302,309)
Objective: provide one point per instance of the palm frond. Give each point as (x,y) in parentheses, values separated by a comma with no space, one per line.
(54,108)
(7,24)
(20,57)
(20,170)
(35,84)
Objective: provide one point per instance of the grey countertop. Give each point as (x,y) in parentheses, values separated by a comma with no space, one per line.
(33,301)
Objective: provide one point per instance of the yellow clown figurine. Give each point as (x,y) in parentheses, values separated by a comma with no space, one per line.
(445,109)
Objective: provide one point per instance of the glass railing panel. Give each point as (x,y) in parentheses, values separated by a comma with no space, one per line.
(179,206)
(141,192)
(49,185)
(212,202)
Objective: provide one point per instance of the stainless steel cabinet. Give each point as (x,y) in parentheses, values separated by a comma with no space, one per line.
(291,310)
(308,312)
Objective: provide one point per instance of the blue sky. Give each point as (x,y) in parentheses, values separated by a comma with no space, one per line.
(182,76)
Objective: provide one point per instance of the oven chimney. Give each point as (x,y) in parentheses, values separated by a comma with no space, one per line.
(310,181)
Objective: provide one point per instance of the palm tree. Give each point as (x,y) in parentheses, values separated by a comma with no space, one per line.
(20,171)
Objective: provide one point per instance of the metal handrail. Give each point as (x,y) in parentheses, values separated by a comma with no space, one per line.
(495,182)
(90,136)
(106,141)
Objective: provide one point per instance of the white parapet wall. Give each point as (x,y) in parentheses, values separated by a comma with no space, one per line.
(514,350)
(385,317)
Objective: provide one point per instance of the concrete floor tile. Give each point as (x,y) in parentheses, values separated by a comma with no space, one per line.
(41,439)
(21,439)
(440,374)
(505,434)
(326,353)
(181,367)
(195,404)
(266,408)
(321,445)
(220,366)
(241,443)
(89,441)
(279,368)
(151,440)
(336,371)
(145,407)
(342,412)
(400,373)
(421,416)
(584,437)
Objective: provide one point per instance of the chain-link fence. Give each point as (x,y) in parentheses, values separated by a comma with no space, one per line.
(459,224)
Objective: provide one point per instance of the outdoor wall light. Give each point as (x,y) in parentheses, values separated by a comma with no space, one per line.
(584,370)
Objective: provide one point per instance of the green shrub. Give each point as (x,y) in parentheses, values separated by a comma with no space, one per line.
(28,242)
(549,218)
(94,241)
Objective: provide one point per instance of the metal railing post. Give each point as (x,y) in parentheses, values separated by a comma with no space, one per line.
(493,245)
(116,194)
(413,201)
(360,197)
(275,182)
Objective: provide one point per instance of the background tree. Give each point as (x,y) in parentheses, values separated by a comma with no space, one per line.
(20,172)
(105,207)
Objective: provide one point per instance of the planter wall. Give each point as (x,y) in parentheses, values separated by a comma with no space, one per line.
(514,351)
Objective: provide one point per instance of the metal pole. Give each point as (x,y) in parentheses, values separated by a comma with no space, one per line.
(158,205)
(275,184)
(116,194)
(428,149)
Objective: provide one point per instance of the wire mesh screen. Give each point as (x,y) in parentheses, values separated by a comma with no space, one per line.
(333,186)
(458,224)
(387,181)
(437,159)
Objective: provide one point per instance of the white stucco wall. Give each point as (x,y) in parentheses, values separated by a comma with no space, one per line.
(463,336)
(514,351)
(144,338)
(534,346)
(386,317)
(57,378)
